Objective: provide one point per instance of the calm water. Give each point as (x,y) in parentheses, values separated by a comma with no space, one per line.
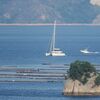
(27,45)
(36,91)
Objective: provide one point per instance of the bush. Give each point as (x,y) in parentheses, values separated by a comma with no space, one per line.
(80,69)
(84,80)
(97,80)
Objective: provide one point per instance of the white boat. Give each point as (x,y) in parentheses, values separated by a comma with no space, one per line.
(53,50)
(86,51)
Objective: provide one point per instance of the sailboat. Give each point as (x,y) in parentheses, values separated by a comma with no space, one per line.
(53,50)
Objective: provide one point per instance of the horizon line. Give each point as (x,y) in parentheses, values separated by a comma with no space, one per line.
(48,24)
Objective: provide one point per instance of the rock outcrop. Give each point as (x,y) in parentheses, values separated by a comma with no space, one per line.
(83,79)
(77,88)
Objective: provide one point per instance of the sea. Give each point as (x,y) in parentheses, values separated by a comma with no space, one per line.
(25,46)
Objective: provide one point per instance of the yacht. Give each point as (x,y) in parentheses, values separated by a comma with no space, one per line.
(53,51)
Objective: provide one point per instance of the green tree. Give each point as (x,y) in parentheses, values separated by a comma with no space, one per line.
(80,69)
(97,80)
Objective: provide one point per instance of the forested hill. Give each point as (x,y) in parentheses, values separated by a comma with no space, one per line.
(42,11)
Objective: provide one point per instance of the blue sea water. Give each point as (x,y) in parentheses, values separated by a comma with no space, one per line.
(37,91)
(27,45)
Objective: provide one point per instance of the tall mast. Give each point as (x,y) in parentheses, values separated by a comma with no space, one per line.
(54,33)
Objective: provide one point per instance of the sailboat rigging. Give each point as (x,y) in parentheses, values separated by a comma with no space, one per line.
(53,50)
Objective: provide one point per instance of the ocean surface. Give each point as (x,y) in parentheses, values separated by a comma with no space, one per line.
(37,91)
(25,46)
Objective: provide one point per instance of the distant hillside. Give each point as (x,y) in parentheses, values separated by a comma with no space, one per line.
(41,11)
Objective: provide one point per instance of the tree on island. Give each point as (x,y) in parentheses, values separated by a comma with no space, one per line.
(97,80)
(81,71)
(82,79)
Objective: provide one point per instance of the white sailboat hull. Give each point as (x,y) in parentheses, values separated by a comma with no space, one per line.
(55,53)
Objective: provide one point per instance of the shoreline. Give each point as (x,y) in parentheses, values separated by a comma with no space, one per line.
(81,94)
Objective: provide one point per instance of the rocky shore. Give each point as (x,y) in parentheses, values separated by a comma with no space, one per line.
(83,80)
(77,88)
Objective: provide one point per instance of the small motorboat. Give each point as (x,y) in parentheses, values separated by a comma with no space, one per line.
(86,51)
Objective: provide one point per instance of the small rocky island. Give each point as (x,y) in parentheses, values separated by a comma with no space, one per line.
(83,79)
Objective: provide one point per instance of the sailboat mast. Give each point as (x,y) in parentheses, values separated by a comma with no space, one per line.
(54,33)
(54,51)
